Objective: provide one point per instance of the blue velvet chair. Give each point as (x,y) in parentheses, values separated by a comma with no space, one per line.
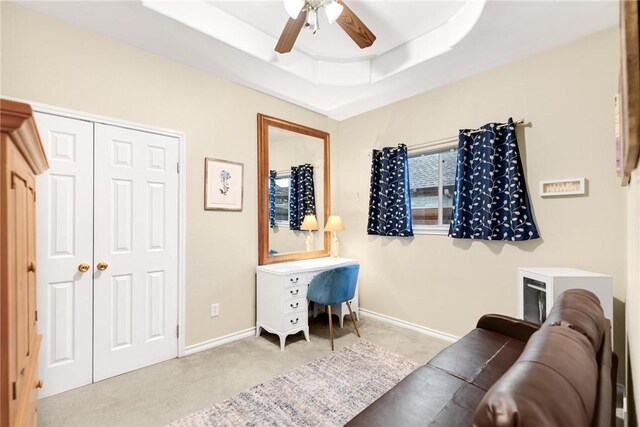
(335,286)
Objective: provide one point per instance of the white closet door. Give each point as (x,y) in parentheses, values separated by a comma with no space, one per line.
(64,209)
(136,235)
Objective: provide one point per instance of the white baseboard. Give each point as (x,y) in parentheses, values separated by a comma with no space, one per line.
(251,332)
(408,325)
(206,345)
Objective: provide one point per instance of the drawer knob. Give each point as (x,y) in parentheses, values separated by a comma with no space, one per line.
(294,306)
(294,281)
(31,267)
(295,293)
(39,384)
(294,322)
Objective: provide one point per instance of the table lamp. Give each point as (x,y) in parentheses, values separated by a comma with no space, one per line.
(334,224)
(309,223)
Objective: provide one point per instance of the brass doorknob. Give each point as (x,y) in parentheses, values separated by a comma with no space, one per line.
(102,266)
(84,267)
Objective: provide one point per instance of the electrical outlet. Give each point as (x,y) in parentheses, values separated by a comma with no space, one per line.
(215,310)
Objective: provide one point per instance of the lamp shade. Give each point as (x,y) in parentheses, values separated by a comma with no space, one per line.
(334,224)
(293,7)
(333,10)
(309,223)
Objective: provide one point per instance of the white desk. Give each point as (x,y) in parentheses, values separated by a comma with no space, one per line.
(281,296)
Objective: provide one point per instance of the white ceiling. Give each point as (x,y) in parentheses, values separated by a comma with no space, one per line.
(420,44)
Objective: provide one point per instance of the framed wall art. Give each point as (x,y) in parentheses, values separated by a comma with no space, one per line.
(223,185)
(562,187)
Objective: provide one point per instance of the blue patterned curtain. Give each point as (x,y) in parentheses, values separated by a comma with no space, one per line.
(302,195)
(490,199)
(389,199)
(272,198)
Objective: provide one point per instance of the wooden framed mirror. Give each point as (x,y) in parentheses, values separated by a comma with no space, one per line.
(293,186)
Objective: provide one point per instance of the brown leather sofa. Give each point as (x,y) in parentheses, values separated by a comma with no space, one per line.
(509,372)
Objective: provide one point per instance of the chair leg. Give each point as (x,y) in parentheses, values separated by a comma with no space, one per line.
(330,325)
(353,319)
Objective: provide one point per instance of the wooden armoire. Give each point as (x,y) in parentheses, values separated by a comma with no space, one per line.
(22,157)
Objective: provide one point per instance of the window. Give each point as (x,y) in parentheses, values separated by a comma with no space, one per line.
(282,200)
(432,177)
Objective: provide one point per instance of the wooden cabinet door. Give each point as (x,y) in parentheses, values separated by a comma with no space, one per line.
(19,204)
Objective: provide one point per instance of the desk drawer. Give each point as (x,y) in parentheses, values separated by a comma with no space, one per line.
(295,293)
(294,305)
(295,280)
(295,320)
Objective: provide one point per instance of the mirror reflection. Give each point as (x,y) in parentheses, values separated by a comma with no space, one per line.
(293,191)
(296,192)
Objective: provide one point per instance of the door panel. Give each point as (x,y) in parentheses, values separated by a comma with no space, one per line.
(64,208)
(136,235)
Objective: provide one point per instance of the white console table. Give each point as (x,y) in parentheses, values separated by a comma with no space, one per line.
(281,296)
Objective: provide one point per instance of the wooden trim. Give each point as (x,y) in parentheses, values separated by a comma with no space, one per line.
(630,87)
(17,120)
(264,122)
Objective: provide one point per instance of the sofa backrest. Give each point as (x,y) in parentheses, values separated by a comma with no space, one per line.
(555,381)
(580,310)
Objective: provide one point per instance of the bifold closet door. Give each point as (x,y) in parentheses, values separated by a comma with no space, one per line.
(135,250)
(64,215)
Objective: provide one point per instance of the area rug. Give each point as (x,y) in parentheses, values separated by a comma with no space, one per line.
(328,391)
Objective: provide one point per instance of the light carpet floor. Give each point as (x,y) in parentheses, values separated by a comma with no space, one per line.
(328,391)
(170,390)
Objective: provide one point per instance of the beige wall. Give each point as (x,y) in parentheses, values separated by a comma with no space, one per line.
(48,61)
(445,284)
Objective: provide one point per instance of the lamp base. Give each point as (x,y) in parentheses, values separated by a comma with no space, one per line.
(335,246)
(309,242)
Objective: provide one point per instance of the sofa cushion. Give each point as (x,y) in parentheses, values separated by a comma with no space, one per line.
(554,382)
(579,309)
(428,396)
(480,358)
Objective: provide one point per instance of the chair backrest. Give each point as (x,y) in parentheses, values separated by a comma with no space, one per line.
(334,286)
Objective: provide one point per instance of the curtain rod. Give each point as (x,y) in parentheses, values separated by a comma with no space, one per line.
(286,171)
(451,139)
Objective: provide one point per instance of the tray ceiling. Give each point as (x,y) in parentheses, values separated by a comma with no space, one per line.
(420,44)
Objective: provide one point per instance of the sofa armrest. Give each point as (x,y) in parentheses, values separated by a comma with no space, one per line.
(510,326)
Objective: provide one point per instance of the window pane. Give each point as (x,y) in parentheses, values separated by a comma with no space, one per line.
(282,198)
(424,178)
(449,160)
(424,175)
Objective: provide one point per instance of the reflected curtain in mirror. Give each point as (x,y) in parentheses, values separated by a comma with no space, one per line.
(389,198)
(302,196)
(490,198)
(272,198)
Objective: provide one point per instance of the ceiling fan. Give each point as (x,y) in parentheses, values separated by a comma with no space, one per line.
(305,13)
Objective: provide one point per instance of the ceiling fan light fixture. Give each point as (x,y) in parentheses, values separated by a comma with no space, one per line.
(333,9)
(311,22)
(293,7)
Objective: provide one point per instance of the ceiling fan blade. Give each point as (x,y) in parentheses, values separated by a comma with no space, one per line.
(290,33)
(354,27)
